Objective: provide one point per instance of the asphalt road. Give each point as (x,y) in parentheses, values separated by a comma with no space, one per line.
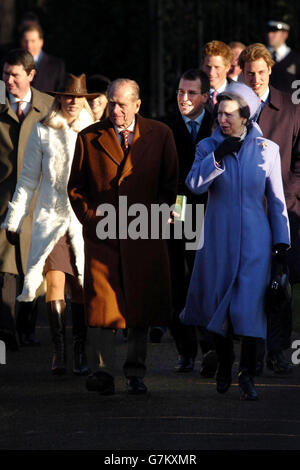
(39,411)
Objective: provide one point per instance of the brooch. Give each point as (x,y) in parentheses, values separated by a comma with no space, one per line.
(263,144)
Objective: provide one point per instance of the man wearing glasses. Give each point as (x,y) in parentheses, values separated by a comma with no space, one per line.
(190,124)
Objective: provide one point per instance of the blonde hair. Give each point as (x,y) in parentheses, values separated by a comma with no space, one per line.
(56,108)
(254,52)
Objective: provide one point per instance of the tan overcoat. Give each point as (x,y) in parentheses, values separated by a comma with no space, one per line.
(126,281)
(13,140)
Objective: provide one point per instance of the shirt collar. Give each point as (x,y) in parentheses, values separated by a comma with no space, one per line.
(265,96)
(27,97)
(220,89)
(198,119)
(281,52)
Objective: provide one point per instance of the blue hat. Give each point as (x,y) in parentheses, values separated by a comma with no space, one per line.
(245,92)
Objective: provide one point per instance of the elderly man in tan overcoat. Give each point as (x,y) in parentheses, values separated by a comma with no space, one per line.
(23,107)
(127,281)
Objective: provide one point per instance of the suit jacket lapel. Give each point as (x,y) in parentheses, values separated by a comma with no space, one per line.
(109,141)
(139,141)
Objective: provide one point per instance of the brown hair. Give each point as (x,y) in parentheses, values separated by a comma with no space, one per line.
(214,48)
(254,52)
(32,27)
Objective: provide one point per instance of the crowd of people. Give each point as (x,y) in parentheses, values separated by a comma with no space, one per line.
(71,145)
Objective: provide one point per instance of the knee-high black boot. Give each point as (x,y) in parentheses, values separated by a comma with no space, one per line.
(225,355)
(247,368)
(79,330)
(56,316)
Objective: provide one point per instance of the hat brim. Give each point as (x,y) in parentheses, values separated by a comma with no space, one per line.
(90,96)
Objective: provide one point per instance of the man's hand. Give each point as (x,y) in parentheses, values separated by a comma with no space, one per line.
(229,145)
(12,237)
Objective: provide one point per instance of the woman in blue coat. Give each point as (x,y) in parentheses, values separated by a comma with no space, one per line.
(245,219)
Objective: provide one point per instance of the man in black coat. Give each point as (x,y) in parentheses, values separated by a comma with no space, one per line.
(50,70)
(287,62)
(279,120)
(190,124)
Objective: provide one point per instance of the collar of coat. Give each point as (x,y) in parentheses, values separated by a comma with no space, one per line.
(110,143)
(37,104)
(276,98)
(212,142)
(59,122)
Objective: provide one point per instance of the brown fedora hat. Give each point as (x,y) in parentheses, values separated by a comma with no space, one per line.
(75,86)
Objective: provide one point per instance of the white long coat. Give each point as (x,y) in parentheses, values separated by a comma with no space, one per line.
(48,159)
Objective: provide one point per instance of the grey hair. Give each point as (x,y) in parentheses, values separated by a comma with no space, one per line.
(125,81)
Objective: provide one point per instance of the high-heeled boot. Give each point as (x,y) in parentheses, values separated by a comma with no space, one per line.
(56,316)
(247,369)
(79,330)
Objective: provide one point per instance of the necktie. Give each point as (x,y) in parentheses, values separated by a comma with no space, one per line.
(20,113)
(125,143)
(194,129)
(274,55)
(214,97)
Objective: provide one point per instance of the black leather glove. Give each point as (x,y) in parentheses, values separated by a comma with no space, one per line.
(12,237)
(281,256)
(229,145)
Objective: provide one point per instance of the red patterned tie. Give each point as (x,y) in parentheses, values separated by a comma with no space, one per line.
(20,112)
(125,143)
(214,97)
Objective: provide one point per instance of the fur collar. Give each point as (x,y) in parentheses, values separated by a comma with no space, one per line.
(59,122)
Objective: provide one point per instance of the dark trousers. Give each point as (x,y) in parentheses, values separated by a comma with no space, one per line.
(279,330)
(225,353)
(185,336)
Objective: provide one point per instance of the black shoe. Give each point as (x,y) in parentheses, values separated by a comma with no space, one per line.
(136,386)
(101,382)
(209,364)
(278,364)
(29,340)
(184,364)
(155,334)
(223,383)
(247,388)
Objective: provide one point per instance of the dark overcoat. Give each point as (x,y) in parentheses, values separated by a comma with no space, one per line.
(126,281)
(280,122)
(50,73)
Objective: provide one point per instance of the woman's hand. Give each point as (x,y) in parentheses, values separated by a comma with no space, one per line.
(12,237)
(229,145)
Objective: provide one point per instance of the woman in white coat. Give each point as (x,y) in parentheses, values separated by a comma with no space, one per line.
(57,250)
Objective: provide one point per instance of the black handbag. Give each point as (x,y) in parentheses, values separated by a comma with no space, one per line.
(279,291)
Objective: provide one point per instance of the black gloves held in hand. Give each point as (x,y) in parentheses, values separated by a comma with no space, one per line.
(229,145)
(281,256)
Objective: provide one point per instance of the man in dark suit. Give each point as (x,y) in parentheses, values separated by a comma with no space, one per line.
(287,62)
(50,70)
(279,120)
(216,62)
(190,123)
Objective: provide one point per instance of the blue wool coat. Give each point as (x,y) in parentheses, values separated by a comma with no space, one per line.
(232,268)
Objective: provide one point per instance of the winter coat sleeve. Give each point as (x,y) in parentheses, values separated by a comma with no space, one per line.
(27,183)
(277,211)
(204,171)
(77,185)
